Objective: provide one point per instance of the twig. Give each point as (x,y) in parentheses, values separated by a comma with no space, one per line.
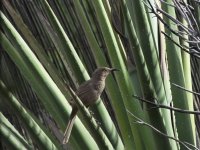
(176,85)
(167,107)
(140,121)
(184,49)
(189,30)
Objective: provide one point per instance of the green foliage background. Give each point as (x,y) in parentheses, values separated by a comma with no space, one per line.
(48,45)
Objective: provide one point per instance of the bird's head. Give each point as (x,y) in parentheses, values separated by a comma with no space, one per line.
(102,72)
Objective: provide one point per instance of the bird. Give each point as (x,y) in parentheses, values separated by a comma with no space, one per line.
(88,92)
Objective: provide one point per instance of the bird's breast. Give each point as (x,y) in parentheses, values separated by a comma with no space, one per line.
(99,87)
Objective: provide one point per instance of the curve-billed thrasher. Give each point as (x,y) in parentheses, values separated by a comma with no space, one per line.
(88,92)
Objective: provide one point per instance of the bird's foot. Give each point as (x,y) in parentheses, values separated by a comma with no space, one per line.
(98,122)
(91,112)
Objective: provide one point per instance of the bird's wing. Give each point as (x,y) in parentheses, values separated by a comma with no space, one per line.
(84,88)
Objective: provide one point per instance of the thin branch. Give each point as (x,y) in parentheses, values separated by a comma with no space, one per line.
(190,31)
(165,24)
(197,1)
(194,42)
(176,85)
(184,49)
(186,5)
(182,8)
(140,121)
(186,29)
(167,107)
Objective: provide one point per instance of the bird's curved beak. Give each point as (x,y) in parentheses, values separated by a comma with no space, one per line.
(114,69)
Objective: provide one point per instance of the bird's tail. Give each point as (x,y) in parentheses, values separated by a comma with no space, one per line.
(70,125)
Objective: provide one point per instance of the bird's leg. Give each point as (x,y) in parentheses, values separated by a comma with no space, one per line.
(98,122)
(91,112)
(92,115)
